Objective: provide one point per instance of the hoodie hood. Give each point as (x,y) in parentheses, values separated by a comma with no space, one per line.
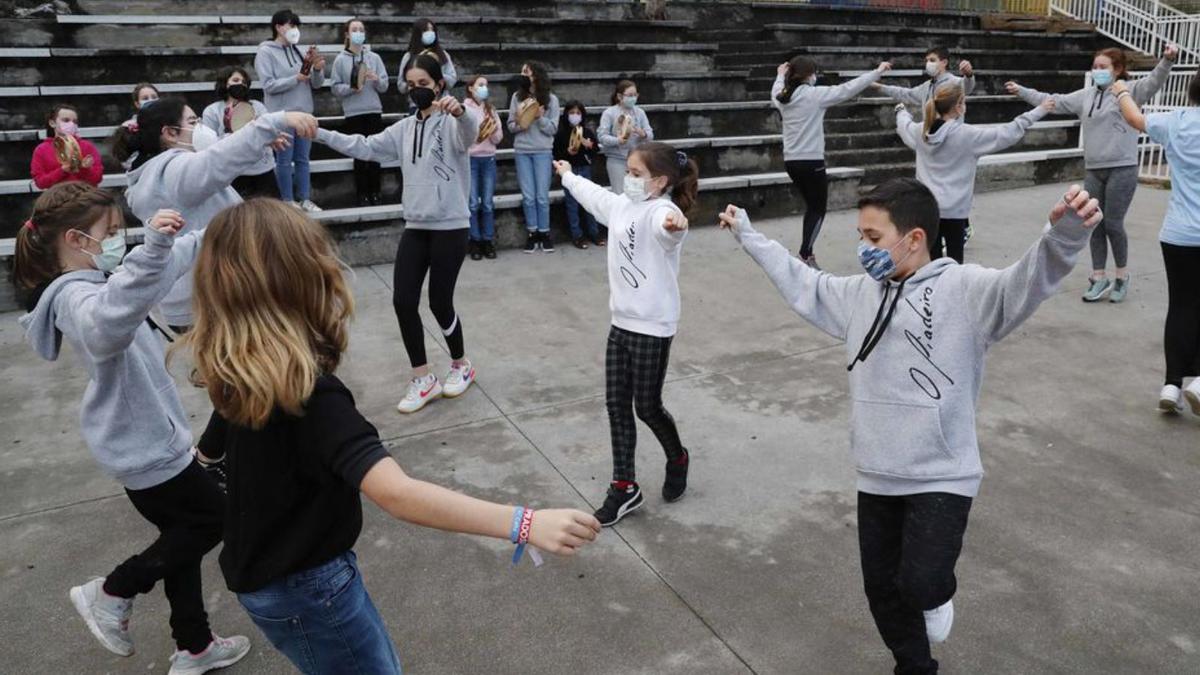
(942,131)
(39,325)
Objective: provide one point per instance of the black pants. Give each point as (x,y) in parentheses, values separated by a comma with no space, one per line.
(189,512)
(809,177)
(441,254)
(635,366)
(1181,340)
(262,185)
(909,546)
(950,240)
(367,180)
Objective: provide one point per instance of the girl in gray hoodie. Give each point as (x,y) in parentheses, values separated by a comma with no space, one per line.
(916,332)
(132,419)
(432,149)
(948,152)
(360,104)
(1110,155)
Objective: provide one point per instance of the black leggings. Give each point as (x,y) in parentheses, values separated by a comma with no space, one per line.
(950,240)
(809,177)
(1181,340)
(909,546)
(441,253)
(367,180)
(635,366)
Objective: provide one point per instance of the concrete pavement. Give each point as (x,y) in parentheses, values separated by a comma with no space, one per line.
(1081,556)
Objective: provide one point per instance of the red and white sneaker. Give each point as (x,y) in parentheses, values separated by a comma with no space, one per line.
(458,379)
(421,391)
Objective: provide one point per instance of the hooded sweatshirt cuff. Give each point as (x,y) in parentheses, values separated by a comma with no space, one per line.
(157,242)
(1069,228)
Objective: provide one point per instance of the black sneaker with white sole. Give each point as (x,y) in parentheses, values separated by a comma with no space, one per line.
(547,243)
(531,244)
(618,504)
(676,480)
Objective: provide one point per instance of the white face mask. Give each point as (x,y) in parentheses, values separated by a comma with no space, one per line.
(203,137)
(574,119)
(292,36)
(637,189)
(931,68)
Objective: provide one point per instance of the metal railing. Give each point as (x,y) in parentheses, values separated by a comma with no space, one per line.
(1144,25)
(1038,7)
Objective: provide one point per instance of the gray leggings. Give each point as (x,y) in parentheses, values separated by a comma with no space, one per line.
(1114,188)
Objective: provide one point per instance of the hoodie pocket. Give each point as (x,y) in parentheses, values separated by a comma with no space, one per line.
(901,439)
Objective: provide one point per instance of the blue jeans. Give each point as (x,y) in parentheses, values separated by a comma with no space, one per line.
(593,230)
(533,173)
(483,189)
(296,153)
(323,620)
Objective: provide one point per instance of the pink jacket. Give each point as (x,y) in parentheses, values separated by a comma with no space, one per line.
(47,172)
(488,147)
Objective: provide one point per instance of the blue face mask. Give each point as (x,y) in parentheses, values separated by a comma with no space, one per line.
(629,101)
(358,38)
(481,93)
(112,252)
(428,37)
(878,261)
(1102,77)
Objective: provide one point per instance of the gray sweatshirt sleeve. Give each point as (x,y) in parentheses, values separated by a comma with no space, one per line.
(776,89)
(1144,89)
(1064,104)
(602,203)
(513,127)
(449,72)
(401,83)
(381,85)
(644,121)
(264,67)
(908,130)
(831,96)
(316,78)
(106,321)
(968,84)
(986,140)
(385,146)
(211,117)
(908,96)
(195,176)
(604,132)
(821,298)
(1002,299)
(340,76)
(548,122)
(467,127)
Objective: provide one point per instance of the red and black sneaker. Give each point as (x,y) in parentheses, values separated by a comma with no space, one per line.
(623,498)
(676,481)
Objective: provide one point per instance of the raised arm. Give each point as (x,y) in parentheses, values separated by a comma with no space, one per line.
(908,130)
(1144,89)
(989,139)
(1064,104)
(906,95)
(831,96)
(385,146)
(198,175)
(600,202)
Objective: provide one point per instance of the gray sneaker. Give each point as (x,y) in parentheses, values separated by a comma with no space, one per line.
(106,616)
(221,652)
(1120,289)
(1097,289)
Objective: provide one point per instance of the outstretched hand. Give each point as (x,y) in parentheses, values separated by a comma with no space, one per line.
(1171,52)
(1012,87)
(167,221)
(449,105)
(1119,87)
(1078,200)
(561,167)
(728,218)
(1047,105)
(966,68)
(562,531)
(675,223)
(305,125)
(883,67)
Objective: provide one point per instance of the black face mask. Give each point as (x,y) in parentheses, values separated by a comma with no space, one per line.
(422,97)
(239,91)
(524,82)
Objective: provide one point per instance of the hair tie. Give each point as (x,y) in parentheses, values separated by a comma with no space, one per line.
(682,158)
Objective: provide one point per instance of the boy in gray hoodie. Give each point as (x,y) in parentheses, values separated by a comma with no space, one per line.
(916,332)
(937,66)
(132,418)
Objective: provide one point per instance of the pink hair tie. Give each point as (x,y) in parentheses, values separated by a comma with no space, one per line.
(30,226)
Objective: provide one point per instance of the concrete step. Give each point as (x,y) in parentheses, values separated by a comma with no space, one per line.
(152,30)
(917,39)
(66,66)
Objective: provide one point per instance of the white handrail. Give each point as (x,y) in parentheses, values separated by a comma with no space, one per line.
(1144,25)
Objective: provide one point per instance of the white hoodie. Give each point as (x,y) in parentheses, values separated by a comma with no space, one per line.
(643,257)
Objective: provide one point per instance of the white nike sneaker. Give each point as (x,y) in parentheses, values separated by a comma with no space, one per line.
(106,616)
(1169,399)
(421,391)
(938,622)
(458,379)
(309,207)
(1192,395)
(220,653)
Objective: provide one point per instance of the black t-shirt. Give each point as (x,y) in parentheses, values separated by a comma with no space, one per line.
(293,486)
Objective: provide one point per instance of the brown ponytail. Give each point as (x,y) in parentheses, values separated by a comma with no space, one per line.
(683,174)
(945,99)
(800,68)
(71,205)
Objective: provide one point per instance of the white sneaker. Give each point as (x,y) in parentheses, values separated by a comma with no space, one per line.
(1192,395)
(309,207)
(421,391)
(938,622)
(221,652)
(106,616)
(458,379)
(295,205)
(1169,399)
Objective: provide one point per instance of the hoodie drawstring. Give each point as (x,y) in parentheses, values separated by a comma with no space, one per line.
(1097,99)
(875,333)
(418,141)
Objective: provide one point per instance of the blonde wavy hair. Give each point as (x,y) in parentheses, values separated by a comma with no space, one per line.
(271,311)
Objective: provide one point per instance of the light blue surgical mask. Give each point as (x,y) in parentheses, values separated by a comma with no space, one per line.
(358,38)
(629,101)
(877,261)
(145,102)
(112,251)
(428,37)
(1102,77)
(481,93)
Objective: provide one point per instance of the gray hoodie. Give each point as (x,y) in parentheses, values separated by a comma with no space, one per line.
(947,160)
(804,113)
(197,184)
(919,95)
(1108,141)
(607,131)
(213,117)
(539,137)
(914,397)
(131,417)
(277,67)
(433,158)
(345,76)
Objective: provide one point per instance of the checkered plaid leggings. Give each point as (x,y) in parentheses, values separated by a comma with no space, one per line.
(635,366)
